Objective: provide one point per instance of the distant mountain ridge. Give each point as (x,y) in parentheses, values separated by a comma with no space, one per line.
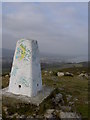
(7,53)
(46,57)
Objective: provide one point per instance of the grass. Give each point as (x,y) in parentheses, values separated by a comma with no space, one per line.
(75,86)
(5,81)
(16,106)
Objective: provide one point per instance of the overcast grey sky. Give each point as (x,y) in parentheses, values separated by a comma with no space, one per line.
(60,28)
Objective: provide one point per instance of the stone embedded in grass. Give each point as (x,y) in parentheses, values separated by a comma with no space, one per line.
(61,89)
(6,75)
(84,75)
(49,113)
(60,74)
(66,108)
(69,115)
(50,72)
(58,99)
(5,110)
(68,74)
(86,102)
(75,99)
(68,97)
(71,103)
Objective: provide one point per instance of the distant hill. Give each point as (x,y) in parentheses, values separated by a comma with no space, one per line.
(46,57)
(7,53)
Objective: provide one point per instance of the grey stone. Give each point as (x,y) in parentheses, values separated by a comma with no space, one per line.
(5,110)
(0,116)
(86,102)
(71,103)
(28,117)
(22,116)
(6,75)
(49,113)
(50,72)
(60,74)
(66,108)
(58,99)
(61,89)
(69,115)
(68,74)
(75,99)
(68,97)
(84,75)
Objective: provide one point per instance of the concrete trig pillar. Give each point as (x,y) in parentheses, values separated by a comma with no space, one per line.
(26,71)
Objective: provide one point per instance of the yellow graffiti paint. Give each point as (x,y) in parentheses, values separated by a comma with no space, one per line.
(23,52)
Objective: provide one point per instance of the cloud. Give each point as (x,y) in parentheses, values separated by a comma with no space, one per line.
(60,28)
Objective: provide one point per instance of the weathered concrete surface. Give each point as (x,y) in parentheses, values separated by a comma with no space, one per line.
(36,100)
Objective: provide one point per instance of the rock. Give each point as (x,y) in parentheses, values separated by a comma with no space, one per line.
(86,102)
(66,108)
(71,103)
(28,117)
(22,117)
(34,115)
(84,75)
(18,117)
(45,71)
(69,115)
(58,99)
(75,99)
(6,75)
(61,89)
(81,75)
(13,116)
(5,110)
(50,72)
(18,106)
(39,117)
(56,113)
(0,116)
(54,78)
(49,113)
(16,114)
(60,74)
(68,74)
(68,97)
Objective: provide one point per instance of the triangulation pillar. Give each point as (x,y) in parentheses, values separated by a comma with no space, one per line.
(25,76)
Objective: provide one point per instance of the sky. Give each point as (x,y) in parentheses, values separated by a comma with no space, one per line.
(60,28)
